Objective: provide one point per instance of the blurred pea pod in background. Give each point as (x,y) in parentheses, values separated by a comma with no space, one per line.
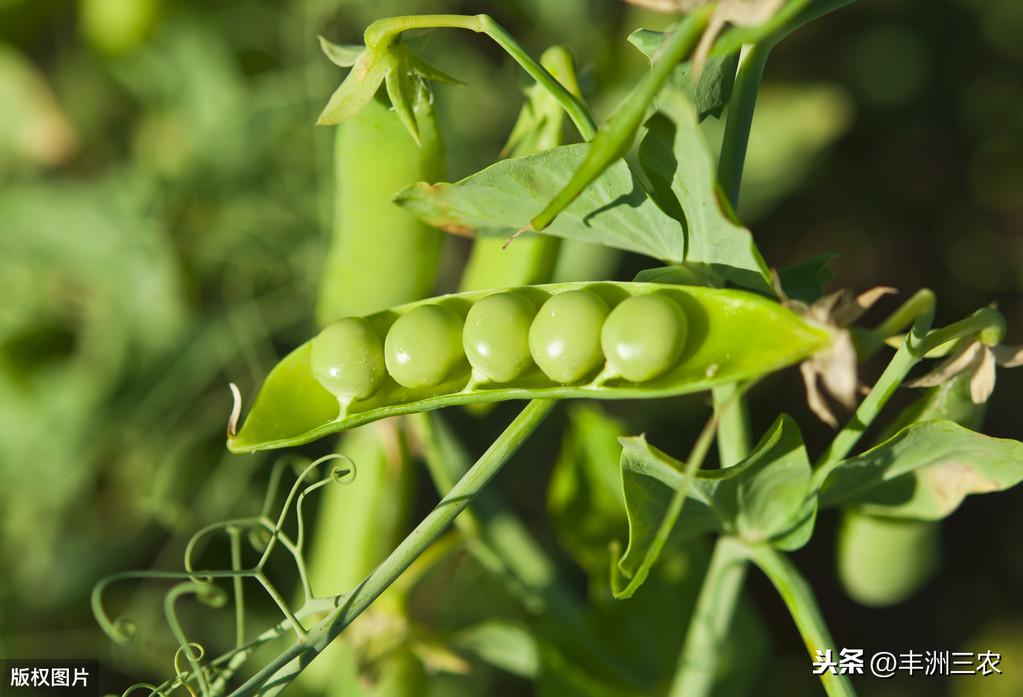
(373,239)
(886,560)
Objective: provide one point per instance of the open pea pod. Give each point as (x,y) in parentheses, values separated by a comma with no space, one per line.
(720,336)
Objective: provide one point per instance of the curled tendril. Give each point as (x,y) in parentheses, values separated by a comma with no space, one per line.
(266,532)
(154,691)
(338,475)
(206,593)
(193,652)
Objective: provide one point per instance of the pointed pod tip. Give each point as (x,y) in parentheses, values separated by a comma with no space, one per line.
(236,411)
(325,119)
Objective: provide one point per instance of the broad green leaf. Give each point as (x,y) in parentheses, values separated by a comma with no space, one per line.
(682,173)
(293,408)
(924,471)
(650,481)
(711,92)
(764,497)
(614,210)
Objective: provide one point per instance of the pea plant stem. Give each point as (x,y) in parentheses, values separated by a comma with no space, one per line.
(505,547)
(282,671)
(802,605)
(918,343)
(712,617)
(740,119)
(615,137)
(722,584)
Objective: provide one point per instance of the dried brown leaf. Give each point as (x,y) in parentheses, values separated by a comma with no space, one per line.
(668,6)
(851,309)
(748,13)
(959,361)
(1008,356)
(982,384)
(814,399)
(837,369)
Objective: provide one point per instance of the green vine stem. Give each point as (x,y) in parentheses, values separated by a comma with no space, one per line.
(802,605)
(384,32)
(279,673)
(986,324)
(615,137)
(740,119)
(920,304)
(711,620)
(505,547)
(722,585)
(723,582)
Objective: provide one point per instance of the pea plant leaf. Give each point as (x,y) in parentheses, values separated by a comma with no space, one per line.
(656,517)
(682,174)
(614,210)
(766,497)
(924,471)
(805,281)
(341,55)
(711,91)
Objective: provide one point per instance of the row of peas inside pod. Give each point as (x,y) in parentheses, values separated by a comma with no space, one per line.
(503,336)
(605,340)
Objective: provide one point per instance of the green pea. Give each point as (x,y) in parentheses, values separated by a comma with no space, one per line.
(644,336)
(565,337)
(496,336)
(347,358)
(424,346)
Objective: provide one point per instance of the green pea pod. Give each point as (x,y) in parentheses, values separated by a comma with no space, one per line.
(883,561)
(727,335)
(374,239)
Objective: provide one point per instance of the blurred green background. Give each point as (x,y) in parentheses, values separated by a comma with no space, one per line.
(165,205)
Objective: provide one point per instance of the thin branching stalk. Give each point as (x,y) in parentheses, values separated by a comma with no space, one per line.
(282,671)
